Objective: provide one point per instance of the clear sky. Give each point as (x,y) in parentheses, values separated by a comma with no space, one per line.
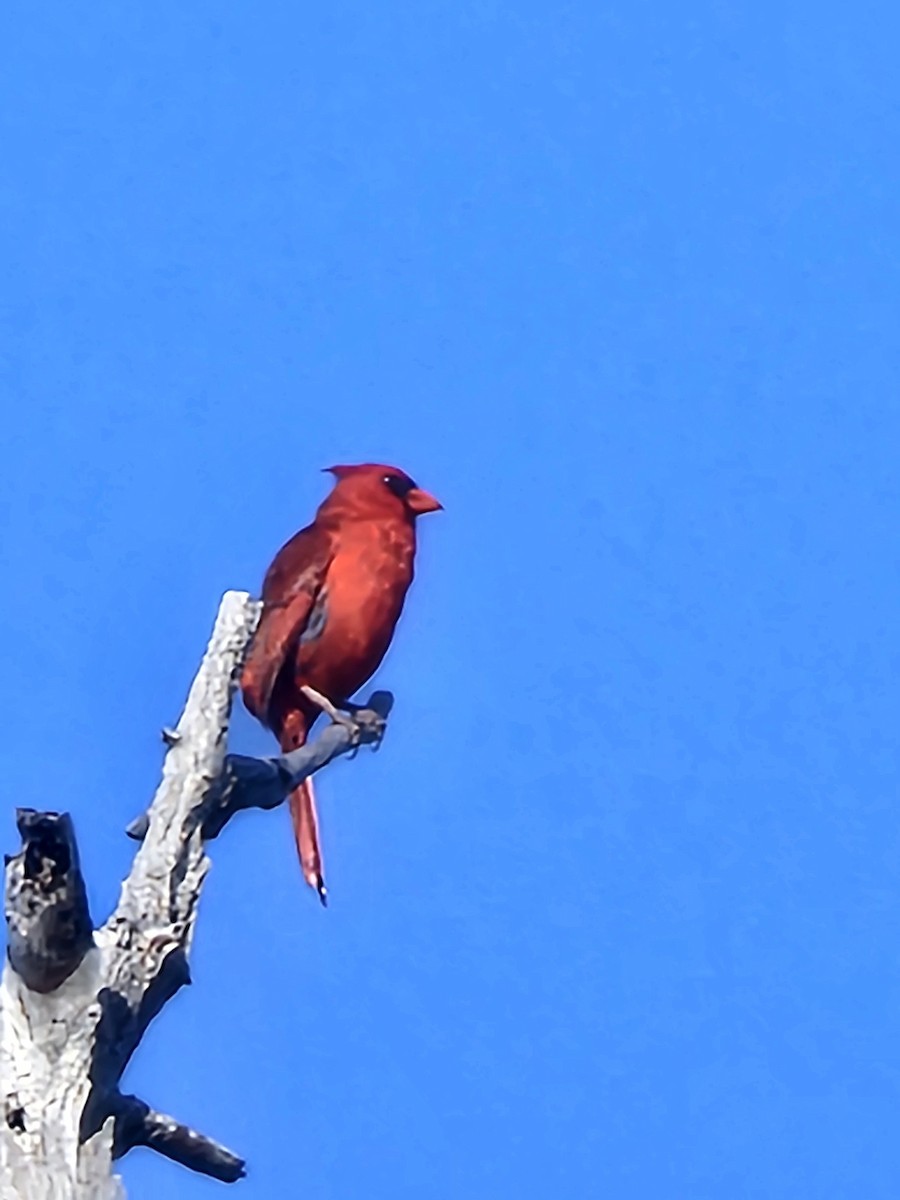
(615,912)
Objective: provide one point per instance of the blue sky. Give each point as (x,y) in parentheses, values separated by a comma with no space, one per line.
(615,911)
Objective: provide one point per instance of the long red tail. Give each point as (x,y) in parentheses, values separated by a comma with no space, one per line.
(302,803)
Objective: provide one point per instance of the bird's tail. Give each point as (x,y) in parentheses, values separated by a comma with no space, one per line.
(302,803)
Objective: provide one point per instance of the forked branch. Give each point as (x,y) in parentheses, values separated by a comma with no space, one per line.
(75,1002)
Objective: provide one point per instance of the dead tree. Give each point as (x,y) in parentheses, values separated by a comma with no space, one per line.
(75,1001)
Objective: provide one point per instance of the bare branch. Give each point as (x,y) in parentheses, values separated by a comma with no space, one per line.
(136,1124)
(62,1054)
(148,937)
(75,1004)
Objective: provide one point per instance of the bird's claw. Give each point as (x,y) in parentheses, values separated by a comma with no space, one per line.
(366,725)
(370,726)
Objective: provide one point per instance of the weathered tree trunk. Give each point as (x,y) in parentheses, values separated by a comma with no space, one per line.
(75,1001)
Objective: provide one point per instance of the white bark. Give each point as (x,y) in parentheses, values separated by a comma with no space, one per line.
(73,1007)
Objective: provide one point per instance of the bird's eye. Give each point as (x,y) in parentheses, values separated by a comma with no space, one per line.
(399,485)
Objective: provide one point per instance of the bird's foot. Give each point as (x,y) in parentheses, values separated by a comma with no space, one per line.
(328,707)
(372,716)
(370,723)
(366,722)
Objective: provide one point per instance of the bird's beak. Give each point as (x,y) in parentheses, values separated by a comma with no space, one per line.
(419,501)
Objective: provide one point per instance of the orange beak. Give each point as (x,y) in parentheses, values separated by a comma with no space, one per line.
(419,501)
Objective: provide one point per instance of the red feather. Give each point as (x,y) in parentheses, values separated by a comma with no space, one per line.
(331,601)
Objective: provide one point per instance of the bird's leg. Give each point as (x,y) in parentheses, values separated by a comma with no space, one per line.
(327,706)
(367,721)
(340,718)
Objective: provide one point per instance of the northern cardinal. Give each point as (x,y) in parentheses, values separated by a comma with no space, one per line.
(331,601)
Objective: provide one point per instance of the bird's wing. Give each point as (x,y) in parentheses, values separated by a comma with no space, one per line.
(291,588)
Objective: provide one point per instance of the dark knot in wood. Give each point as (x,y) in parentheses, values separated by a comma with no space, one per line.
(48,923)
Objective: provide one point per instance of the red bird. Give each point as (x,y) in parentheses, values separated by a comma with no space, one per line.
(331,601)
